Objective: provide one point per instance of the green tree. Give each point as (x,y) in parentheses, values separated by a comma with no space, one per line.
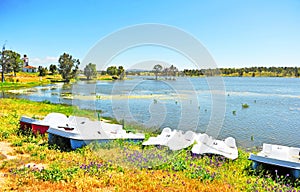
(121,72)
(241,72)
(112,70)
(11,62)
(68,67)
(173,70)
(42,71)
(157,69)
(90,71)
(53,69)
(296,72)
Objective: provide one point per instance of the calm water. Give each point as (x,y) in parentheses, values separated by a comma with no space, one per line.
(194,104)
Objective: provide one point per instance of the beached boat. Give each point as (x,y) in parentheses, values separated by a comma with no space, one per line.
(52,119)
(41,126)
(82,131)
(177,140)
(208,145)
(161,139)
(25,123)
(278,155)
(181,140)
(174,139)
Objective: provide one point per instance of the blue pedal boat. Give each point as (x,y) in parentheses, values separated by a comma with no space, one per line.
(278,155)
(79,131)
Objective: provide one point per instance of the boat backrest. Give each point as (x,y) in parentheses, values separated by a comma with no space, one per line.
(294,152)
(267,148)
(90,129)
(166,131)
(177,134)
(122,132)
(189,135)
(203,138)
(111,127)
(230,142)
(55,119)
(74,120)
(92,125)
(203,149)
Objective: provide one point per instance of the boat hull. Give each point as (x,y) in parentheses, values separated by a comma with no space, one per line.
(39,129)
(62,142)
(25,126)
(26,123)
(65,142)
(75,143)
(293,166)
(81,143)
(30,124)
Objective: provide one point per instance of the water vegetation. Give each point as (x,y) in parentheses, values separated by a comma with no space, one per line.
(26,80)
(119,165)
(245,106)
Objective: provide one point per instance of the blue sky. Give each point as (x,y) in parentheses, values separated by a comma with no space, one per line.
(236,33)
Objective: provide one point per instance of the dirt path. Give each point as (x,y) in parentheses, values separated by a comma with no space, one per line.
(2,180)
(5,151)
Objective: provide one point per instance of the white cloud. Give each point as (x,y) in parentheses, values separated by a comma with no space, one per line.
(43,61)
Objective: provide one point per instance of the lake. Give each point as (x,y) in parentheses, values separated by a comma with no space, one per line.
(198,104)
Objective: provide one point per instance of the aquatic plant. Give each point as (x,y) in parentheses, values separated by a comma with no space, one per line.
(245,105)
(46,102)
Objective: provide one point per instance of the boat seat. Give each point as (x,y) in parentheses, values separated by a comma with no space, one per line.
(122,132)
(166,130)
(189,135)
(267,148)
(203,138)
(230,142)
(201,149)
(294,152)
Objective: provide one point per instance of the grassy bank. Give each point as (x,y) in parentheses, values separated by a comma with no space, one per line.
(26,80)
(117,166)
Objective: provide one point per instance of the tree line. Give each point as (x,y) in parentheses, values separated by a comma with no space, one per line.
(68,67)
(10,62)
(171,71)
(245,72)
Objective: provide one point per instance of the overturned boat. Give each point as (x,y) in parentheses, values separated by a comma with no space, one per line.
(278,155)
